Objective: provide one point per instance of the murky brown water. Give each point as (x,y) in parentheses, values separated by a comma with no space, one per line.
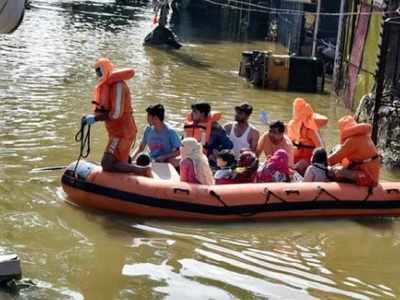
(45,83)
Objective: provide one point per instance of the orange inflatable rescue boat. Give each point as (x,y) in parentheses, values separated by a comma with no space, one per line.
(164,196)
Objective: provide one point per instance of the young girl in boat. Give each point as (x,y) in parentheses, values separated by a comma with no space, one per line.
(276,169)
(247,166)
(226,163)
(194,166)
(318,170)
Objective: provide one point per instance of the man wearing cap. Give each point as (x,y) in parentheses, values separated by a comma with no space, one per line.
(202,124)
(242,134)
(161,139)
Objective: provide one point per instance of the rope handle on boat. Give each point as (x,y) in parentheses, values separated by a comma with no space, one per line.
(176,190)
(218,197)
(289,192)
(324,191)
(390,191)
(270,193)
(370,192)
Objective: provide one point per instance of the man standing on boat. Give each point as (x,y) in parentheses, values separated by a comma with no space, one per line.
(112,104)
(242,134)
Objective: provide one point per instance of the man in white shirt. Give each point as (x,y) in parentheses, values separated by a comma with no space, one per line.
(242,134)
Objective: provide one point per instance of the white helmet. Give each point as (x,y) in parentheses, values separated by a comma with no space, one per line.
(11,15)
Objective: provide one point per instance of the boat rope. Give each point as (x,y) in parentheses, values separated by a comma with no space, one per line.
(218,197)
(321,191)
(268,193)
(83,137)
(370,192)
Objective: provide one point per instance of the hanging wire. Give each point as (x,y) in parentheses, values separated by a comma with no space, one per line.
(267,9)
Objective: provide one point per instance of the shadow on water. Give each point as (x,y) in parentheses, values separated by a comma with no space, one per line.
(112,17)
(213,24)
(189,60)
(377,223)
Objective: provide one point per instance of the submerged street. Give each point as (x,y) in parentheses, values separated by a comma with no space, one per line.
(46,81)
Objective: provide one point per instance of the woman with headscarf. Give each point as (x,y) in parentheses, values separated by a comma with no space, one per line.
(303,130)
(357,154)
(276,169)
(246,169)
(194,166)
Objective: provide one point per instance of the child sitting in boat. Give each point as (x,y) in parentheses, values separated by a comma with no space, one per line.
(318,170)
(247,166)
(143,160)
(276,169)
(226,163)
(194,166)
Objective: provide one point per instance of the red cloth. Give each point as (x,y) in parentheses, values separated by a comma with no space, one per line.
(246,168)
(187,172)
(279,162)
(225,181)
(356,56)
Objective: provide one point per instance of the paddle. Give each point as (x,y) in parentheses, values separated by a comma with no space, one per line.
(47,169)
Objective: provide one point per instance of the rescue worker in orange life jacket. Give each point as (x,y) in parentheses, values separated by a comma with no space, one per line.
(202,124)
(112,104)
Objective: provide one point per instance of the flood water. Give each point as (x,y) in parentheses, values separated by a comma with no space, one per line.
(46,78)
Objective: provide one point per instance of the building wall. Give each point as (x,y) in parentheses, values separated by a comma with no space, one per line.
(365,80)
(290,26)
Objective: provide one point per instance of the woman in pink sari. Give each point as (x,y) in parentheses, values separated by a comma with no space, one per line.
(276,169)
(194,167)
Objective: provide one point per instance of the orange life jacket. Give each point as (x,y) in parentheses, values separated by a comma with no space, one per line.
(201,131)
(103,96)
(357,150)
(112,95)
(303,125)
(303,130)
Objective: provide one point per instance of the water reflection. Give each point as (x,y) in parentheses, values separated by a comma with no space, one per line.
(292,270)
(112,16)
(46,81)
(175,285)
